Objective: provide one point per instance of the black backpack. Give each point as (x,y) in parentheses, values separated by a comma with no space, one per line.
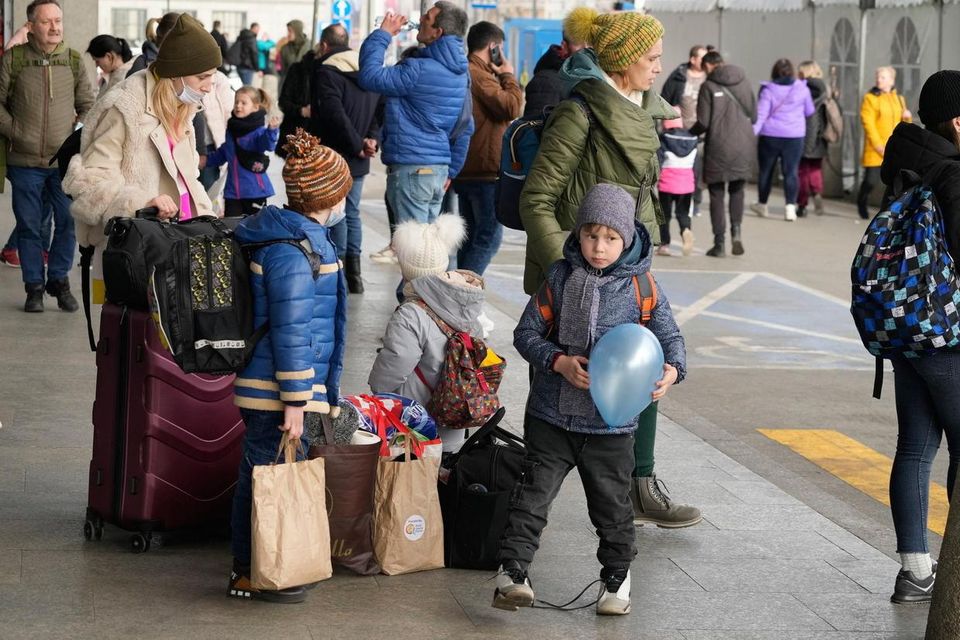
(476,487)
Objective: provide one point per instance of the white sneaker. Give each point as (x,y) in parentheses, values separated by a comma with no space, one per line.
(513,588)
(790,213)
(687,239)
(384,256)
(486,324)
(818,204)
(760,209)
(614,595)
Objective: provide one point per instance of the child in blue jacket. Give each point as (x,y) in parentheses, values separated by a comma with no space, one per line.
(592,290)
(250,137)
(298,287)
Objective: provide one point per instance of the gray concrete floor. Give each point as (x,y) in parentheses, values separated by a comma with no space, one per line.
(763,565)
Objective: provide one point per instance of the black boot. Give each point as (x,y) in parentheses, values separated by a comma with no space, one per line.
(354,281)
(60,289)
(735,238)
(717,251)
(34,303)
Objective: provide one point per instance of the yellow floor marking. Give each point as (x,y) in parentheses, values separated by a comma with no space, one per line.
(857,465)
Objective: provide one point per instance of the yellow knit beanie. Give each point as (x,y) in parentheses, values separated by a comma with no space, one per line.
(619,39)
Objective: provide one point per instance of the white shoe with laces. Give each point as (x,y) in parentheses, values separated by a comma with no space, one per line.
(760,208)
(790,213)
(615,593)
(384,256)
(513,588)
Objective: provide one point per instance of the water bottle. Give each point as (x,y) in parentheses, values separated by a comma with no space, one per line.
(410,26)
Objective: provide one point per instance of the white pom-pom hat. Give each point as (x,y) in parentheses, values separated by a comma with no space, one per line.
(424,249)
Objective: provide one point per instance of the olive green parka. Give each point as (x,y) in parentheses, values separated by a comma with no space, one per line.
(616,145)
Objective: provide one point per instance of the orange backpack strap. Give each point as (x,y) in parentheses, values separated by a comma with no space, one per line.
(545,305)
(645,289)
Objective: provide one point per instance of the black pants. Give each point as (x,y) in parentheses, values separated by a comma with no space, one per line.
(604,462)
(871,176)
(667,202)
(242,207)
(717,214)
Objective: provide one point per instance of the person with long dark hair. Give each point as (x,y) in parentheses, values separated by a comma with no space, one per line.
(113,57)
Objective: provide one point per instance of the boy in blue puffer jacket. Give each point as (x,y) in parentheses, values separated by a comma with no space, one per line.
(299,289)
(250,137)
(606,258)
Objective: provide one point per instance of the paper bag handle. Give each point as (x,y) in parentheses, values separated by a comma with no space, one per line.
(289,451)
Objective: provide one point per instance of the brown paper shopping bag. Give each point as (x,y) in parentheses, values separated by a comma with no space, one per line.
(408,525)
(291,535)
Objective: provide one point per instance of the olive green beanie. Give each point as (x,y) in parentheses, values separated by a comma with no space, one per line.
(619,39)
(187,50)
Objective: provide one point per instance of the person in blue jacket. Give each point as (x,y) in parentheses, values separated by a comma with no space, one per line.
(429,112)
(250,137)
(299,288)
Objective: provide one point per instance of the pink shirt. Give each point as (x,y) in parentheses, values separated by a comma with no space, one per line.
(186,210)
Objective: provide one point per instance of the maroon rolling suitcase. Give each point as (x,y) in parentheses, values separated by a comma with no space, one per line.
(166,444)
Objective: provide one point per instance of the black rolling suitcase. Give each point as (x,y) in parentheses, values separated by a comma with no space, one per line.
(476,485)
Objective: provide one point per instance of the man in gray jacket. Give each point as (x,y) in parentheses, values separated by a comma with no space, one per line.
(726,111)
(44,90)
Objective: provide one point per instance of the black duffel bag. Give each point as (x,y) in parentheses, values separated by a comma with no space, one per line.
(476,487)
(135,246)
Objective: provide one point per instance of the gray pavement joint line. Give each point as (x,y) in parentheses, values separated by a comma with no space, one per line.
(773,325)
(699,306)
(811,610)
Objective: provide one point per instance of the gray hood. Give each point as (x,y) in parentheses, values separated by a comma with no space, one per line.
(455,296)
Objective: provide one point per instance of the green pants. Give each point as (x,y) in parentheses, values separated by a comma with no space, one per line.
(643,440)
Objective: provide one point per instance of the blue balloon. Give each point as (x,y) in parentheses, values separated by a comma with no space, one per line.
(625,366)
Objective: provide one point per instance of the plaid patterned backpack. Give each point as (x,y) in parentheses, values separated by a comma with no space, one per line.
(905,294)
(466,395)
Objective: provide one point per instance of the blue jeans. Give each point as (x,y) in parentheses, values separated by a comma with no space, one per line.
(416,191)
(260,444)
(349,231)
(33,189)
(484,233)
(246,75)
(789,151)
(928,406)
(46,229)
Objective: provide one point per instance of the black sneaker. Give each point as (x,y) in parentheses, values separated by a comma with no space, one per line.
(241,587)
(909,589)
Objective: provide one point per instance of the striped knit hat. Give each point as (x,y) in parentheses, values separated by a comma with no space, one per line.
(619,39)
(317,177)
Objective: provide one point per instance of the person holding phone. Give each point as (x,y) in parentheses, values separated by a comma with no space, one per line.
(497,100)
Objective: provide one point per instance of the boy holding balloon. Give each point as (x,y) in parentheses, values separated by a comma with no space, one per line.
(587,392)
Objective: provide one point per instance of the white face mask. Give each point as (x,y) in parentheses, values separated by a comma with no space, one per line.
(337,214)
(189,95)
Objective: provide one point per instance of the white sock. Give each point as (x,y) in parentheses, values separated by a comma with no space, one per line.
(919,564)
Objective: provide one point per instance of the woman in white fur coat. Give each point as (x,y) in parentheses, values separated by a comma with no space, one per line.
(138,147)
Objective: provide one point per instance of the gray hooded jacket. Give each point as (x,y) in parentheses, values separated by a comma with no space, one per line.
(413,339)
(619,306)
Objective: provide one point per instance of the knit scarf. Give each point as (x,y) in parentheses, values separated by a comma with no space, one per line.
(578,324)
(239,127)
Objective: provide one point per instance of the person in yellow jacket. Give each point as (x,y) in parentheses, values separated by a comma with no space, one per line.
(880,113)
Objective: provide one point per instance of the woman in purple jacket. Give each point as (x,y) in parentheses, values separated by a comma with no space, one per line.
(782,111)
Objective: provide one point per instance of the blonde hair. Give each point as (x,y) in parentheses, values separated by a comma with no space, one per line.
(150,31)
(258,97)
(172,113)
(889,70)
(810,69)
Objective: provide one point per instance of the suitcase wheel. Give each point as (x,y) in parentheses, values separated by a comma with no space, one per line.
(140,542)
(93,529)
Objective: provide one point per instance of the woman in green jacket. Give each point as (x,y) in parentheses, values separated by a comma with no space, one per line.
(604,133)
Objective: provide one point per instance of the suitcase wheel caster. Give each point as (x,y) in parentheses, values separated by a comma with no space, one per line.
(93,530)
(140,542)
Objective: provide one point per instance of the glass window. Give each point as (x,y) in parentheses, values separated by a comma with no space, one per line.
(905,58)
(231,22)
(129,24)
(844,71)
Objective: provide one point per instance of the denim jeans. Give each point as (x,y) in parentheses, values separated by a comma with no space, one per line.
(209,175)
(46,228)
(789,151)
(479,211)
(260,444)
(246,75)
(928,407)
(348,233)
(33,189)
(416,191)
